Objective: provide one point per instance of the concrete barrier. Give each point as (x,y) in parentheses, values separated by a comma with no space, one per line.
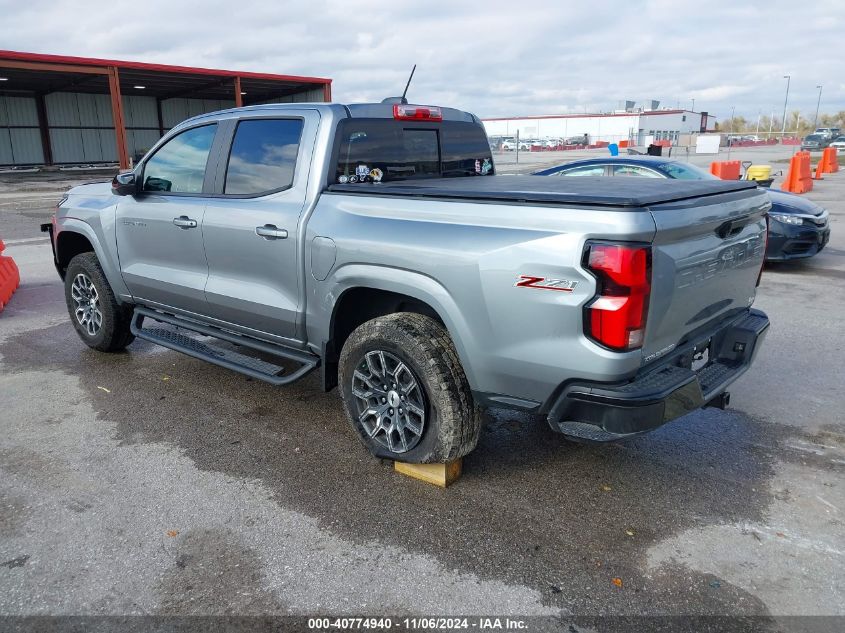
(799,178)
(726,169)
(10,277)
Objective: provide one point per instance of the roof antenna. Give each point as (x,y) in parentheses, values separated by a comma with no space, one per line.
(401,99)
(404,100)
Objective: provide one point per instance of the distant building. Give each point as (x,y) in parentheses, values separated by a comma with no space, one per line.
(639,127)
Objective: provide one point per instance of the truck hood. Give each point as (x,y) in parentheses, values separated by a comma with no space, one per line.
(93,188)
(783,202)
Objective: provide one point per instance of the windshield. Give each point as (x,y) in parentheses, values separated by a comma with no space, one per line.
(382,150)
(685,171)
(813,137)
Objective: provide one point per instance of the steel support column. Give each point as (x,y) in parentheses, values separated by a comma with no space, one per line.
(327,93)
(160,117)
(43,128)
(117,115)
(239,102)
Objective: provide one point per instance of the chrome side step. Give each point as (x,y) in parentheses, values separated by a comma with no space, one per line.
(230,359)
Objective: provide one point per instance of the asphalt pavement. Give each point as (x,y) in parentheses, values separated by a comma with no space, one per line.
(148,482)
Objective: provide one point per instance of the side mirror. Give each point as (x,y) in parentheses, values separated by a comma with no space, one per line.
(124,184)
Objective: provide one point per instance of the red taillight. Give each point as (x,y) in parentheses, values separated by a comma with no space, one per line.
(616,317)
(407,112)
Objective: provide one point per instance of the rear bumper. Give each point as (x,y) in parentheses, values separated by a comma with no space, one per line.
(601,412)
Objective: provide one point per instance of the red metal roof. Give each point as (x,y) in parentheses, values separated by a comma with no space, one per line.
(93,61)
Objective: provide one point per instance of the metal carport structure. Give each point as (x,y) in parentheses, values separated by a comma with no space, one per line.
(57,109)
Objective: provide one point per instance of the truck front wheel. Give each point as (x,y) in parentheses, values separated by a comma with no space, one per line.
(101,322)
(405,391)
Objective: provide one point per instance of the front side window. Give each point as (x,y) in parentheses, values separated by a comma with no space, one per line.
(685,171)
(179,165)
(263,156)
(588,170)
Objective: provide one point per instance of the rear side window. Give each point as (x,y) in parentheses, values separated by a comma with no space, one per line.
(263,156)
(587,170)
(635,171)
(380,150)
(179,165)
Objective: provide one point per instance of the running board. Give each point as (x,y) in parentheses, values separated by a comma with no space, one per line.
(241,363)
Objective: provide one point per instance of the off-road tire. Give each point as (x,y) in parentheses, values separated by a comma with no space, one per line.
(452,420)
(114,333)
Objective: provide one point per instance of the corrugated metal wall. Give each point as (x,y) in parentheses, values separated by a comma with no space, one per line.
(81,127)
(174,111)
(309,96)
(20,140)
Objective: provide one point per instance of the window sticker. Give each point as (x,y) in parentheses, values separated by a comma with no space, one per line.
(486,166)
(376,174)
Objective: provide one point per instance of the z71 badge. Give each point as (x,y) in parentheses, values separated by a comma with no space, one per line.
(542,283)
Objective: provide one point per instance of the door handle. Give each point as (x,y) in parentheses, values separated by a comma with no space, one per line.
(271,232)
(184,222)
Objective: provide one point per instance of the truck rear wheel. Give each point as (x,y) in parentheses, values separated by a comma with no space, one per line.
(405,391)
(101,322)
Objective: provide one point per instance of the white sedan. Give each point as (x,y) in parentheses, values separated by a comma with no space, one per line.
(838,143)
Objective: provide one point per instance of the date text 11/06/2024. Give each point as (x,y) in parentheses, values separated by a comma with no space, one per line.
(421,623)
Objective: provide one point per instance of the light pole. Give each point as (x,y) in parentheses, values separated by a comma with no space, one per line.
(818,103)
(692,109)
(785,101)
(730,136)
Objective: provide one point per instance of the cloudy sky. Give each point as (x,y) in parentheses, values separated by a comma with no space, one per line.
(494,58)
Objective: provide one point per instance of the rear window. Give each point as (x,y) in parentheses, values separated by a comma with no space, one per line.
(382,150)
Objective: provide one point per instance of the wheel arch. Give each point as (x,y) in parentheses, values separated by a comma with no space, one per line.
(358,299)
(69,244)
(75,237)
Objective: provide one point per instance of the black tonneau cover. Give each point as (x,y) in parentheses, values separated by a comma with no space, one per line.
(588,190)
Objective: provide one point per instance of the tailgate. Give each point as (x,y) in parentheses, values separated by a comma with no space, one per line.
(706,257)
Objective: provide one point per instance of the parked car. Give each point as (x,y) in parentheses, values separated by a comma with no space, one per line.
(838,143)
(815,142)
(508,144)
(367,241)
(827,132)
(798,227)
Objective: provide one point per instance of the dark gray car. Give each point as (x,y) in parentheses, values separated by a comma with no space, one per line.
(815,142)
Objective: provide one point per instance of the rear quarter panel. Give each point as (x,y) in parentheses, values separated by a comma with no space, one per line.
(464,259)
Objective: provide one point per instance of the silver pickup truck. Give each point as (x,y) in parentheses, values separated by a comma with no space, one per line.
(376,243)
